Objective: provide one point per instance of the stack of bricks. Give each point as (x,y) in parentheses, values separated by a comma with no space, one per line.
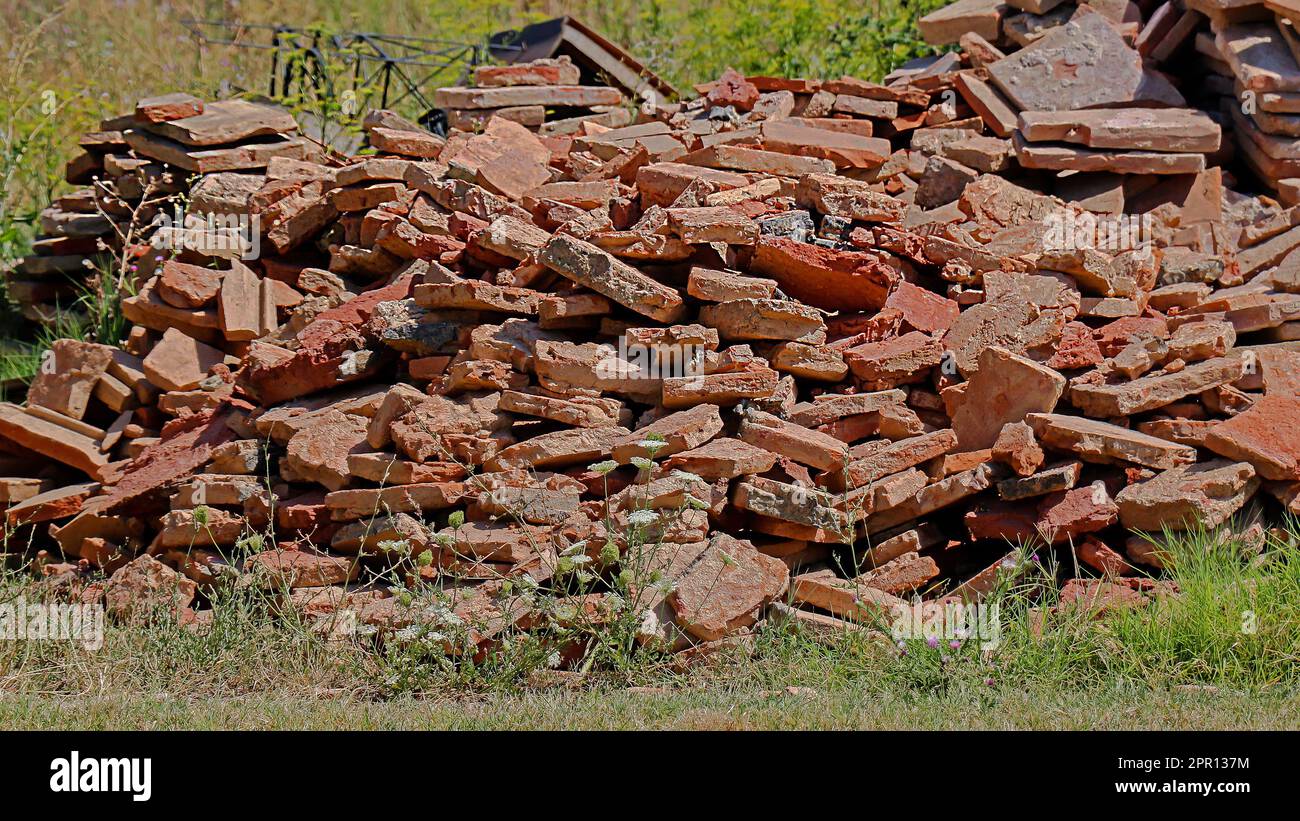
(1249,53)
(133,168)
(545,96)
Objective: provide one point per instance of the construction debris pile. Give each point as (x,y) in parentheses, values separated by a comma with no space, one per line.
(794,348)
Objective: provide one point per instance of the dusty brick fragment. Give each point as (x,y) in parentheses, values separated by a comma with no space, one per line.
(1267,435)
(1181,498)
(1096,554)
(565,447)
(844,197)
(734,90)
(724,589)
(588,265)
(757,319)
(700,226)
(164,107)
(728,388)
(723,286)
(188,286)
(722,459)
(66,378)
(1049,480)
(1006,388)
(903,575)
(351,504)
(825,278)
(922,309)
(1097,441)
(799,504)
(295,569)
(942,182)
(1017,448)
(843,148)
(57,503)
(185,446)
(875,460)
(808,361)
(557,72)
(1015,323)
(895,361)
(1077,349)
(319,452)
(846,599)
(1071,513)
(1152,392)
(671,434)
(146,587)
(332,349)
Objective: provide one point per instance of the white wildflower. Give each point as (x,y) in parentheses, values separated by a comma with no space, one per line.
(642,518)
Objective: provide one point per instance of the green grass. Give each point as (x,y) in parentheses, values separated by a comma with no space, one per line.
(718,708)
(1184,661)
(18,361)
(93,314)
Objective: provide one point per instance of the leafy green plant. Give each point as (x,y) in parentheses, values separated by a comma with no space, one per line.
(690,43)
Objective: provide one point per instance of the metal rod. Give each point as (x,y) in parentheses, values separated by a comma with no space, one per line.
(301,59)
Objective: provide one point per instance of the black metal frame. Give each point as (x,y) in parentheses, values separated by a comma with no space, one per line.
(389,63)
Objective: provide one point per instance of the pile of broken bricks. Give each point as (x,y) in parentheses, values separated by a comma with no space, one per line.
(1235,61)
(130,170)
(134,167)
(1250,56)
(804,341)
